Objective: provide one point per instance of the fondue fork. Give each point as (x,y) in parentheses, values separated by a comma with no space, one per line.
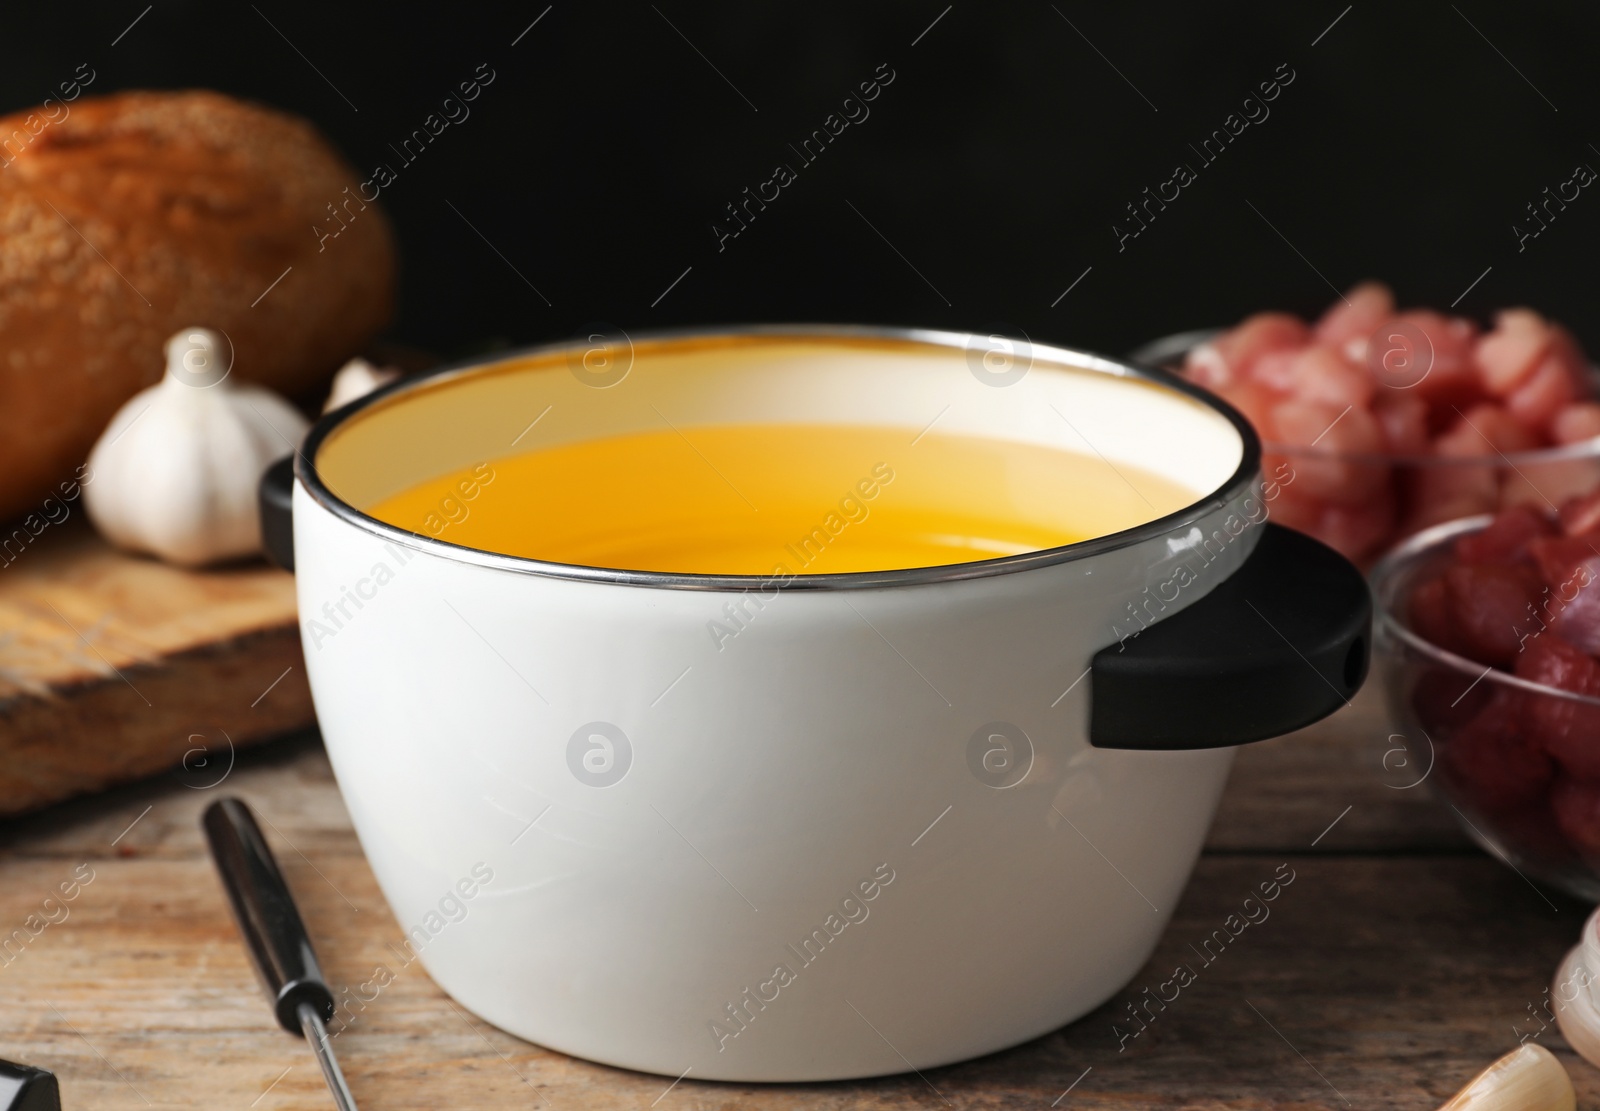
(274,935)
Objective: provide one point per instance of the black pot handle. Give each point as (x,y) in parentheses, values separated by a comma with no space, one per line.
(1281,643)
(275,496)
(25,1088)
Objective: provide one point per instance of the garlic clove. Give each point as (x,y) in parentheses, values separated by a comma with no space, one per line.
(357,378)
(1576,1009)
(175,472)
(1526,1079)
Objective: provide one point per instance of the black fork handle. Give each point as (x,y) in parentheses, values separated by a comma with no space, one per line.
(268,919)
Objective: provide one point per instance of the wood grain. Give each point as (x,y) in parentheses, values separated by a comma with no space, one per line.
(1286,792)
(114,667)
(1397,964)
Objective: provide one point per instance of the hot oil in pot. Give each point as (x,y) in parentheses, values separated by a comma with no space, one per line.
(782,499)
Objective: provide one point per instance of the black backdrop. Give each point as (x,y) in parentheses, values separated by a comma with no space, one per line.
(987,178)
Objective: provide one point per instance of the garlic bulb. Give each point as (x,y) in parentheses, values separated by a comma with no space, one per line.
(176,470)
(357,378)
(1526,1079)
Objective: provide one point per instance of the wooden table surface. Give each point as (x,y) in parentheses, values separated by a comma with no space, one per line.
(1399,962)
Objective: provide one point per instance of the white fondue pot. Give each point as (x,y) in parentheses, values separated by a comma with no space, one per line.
(806,826)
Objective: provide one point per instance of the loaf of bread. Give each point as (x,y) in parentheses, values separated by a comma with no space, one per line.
(125,218)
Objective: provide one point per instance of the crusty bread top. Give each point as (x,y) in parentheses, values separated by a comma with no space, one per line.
(158,183)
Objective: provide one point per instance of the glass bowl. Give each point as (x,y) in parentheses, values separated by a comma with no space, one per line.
(1479,735)
(1362,504)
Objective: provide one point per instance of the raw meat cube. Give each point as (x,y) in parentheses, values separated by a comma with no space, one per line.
(1331,434)
(1508,354)
(1565,728)
(1494,608)
(1506,538)
(1579,420)
(1576,806)
(1493,763)
(1403,420)
(1353,319)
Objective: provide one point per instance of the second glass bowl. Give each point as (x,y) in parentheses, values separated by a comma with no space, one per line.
(1484,734)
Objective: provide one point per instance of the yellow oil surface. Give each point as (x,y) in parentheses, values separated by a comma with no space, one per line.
(782,499)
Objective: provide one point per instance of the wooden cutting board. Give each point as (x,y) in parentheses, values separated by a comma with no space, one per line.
(115,667)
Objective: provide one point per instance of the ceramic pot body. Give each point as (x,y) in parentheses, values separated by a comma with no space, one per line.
(865,830)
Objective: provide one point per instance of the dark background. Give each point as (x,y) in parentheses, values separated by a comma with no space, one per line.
(996,163)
